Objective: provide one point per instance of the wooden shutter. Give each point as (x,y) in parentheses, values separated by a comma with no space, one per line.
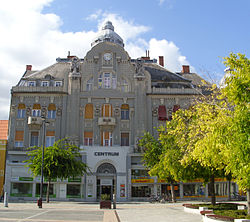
(125,106)
(88,134)
(50,133)
(52,107)
(21,106)
(19,136)
(89,111)
(162,113)
(36,106)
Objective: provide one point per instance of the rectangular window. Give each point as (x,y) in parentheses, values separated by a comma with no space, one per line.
(31,83)
(113,81)
(34,139)
(52,190)
(124,139)
(21,113)
(106,110)
(36,112)
(19,139)
(124,114)
(100,81)
(51,114)
(107,81)
(107,138)
(45,83)
(88,138)
(50,138)
(58,83)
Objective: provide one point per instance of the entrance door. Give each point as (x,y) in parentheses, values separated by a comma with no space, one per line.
(106,190)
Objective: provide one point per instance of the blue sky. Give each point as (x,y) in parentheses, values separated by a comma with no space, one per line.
(195,32)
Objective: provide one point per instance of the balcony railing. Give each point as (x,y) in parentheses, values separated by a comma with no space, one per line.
(42,89)
(175,91)
(106,121)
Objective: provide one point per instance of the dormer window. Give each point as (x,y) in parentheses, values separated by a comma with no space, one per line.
(58,83)
(45,83)
(31,83)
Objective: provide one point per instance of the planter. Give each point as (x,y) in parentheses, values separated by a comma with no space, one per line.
(105,204)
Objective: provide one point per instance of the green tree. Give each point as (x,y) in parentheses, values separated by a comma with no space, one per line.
(237,92)
(62,160)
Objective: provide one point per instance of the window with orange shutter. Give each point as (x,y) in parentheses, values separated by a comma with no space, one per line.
(19,138)
(88,138)
(89,111)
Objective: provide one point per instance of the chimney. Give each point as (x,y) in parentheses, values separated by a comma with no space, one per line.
(161,61)
(185,69)
(28,67)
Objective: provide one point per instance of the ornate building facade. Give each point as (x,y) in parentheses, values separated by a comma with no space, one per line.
(103,103)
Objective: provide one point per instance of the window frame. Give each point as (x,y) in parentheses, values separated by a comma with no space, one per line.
(32,83)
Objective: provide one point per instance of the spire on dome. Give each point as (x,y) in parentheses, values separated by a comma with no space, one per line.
(107,34)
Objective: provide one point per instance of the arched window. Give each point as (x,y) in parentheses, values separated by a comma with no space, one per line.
(51,111)
(89,111)
(21,111)
(124,85)
(36,111)
(107,81)
(125,111)
(90,84)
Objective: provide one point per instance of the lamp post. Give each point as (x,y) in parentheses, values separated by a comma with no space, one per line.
(40,201)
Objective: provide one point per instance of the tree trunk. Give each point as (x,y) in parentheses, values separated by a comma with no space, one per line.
(212,191)
(248,201)
(173,193)
(47,195)
(229,189)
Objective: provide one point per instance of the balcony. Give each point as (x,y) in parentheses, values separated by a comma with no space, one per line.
(38,89)
(189,91)
(106,121)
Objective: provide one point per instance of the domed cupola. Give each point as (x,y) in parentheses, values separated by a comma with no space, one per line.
(107,34)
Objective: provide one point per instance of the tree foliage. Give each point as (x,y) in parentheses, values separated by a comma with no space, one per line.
(62,160)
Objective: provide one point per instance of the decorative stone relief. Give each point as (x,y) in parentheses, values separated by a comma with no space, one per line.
(81,111)
(44,111)
(13,110)
(107,100)
(52,98)
(97,110)
(139,71)
(21,99)
(162,101)
(155,111)
(117,110)
(28,111)
(37,99)
(59,111)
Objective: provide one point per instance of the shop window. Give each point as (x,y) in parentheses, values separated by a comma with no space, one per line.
(89,111)
(51,111)
(141,191)
(52,190)
(193,189)
(21,111)
(19,139)
(166,190)
(34,138)
(162,113)
(21,189)
(36,111)
(221,189)
(139,174)
(73,191)
(125,112)
(107,110)
(107,138)
(88,138)
(124,139)
(90,84)
(50,138)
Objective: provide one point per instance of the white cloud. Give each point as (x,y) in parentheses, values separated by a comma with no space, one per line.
(29,36)
(161,2)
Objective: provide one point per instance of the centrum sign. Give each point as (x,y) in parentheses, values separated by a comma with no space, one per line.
(106,153)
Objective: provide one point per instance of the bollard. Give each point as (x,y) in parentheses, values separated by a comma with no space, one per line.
(5,199)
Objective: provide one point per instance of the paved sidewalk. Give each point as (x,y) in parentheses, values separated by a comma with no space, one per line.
(146,212)
(77,211)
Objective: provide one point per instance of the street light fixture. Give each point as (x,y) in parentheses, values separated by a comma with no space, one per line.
(38,121)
